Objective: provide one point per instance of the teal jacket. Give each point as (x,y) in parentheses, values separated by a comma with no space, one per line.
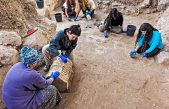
(155,42)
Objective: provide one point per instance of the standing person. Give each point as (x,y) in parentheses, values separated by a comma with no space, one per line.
(65,40)
(88,7)
(25,88)
(148,42)
(69,8)
(113,22)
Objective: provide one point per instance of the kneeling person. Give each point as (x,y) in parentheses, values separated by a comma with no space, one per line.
(65,40)
(148,42)
(69,9)
(113,22)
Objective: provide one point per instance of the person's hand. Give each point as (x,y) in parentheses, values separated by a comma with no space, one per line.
(89,12)
(105,34)
(69,19)
(75,18)
(64,58)
(143,55)
(54,75)
(133,53)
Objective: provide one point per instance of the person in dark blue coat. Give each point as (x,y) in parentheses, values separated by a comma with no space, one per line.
(148,42)
(65,41)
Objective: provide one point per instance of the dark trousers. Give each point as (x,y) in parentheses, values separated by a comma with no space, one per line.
(71,13)
(84,12)
(151,54)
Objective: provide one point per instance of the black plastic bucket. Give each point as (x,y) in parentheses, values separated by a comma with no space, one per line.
(40,3)
(58,17)
(131,30)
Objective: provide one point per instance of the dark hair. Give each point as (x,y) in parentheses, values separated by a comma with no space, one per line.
(75,29)
(114,13)
(149,32)
(71,2)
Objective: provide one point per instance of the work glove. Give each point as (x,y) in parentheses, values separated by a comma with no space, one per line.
(143,55)
(63,58)
(75,18)
(88,12)
(69,19)
(54,75)
(105,34)
(133,53)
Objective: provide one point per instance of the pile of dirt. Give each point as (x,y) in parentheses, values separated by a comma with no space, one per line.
(14,13)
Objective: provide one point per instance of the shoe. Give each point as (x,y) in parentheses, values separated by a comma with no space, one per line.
(46,68)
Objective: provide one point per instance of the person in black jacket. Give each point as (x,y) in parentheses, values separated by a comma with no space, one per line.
(65,41)
(113,22)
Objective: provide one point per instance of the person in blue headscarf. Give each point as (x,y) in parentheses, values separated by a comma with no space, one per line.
(26,88)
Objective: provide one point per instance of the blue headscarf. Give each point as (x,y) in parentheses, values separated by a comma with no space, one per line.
(29,55)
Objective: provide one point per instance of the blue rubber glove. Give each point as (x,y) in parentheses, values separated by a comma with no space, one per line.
(64,58)
(143,55)
(105,34)
(69,19)
(54,75)
(88,12)
(133,53)
(75,18)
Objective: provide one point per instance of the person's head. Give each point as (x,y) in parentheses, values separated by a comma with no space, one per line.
(72,2)
(29,56)
(145,29)
(74,32)
(114,13)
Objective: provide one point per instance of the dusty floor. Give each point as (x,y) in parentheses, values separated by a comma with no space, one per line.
(107,78)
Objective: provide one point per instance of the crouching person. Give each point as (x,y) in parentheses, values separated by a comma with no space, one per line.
(113,23)
(25,88)
(88,7)
(65,40)
(69,8)
(148,42)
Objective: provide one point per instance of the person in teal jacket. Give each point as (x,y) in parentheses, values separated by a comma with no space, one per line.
(148,42)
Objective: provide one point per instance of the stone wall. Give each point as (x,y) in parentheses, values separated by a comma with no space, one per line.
(163,26)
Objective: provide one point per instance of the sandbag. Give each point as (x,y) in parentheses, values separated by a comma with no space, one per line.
(63,82)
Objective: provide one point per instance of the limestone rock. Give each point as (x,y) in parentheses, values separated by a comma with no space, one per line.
(163,26)
(37,40)
(63,82)
(53,4)
(163,23)
(44,12)
(8,55)
(163,2)
(10,38)
(42,36)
